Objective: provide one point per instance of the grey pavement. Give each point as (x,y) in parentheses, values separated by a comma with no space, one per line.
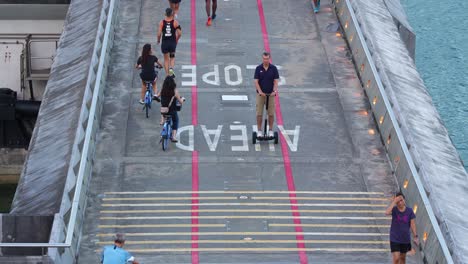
(338,163)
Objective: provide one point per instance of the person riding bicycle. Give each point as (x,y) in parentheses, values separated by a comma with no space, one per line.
(115,254)
(146,63)
(169,94)
(266,83)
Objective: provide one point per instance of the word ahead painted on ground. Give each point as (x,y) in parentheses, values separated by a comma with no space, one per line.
(238,138)
(231,75)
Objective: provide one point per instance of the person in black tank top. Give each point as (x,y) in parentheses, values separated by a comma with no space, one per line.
(169,33)
(146,63)
(169,93)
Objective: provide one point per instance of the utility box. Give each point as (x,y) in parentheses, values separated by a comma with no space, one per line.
(11,65)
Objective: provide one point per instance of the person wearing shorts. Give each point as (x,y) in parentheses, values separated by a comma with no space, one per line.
(174,4)
(169,33)
(266,83)
(146,62)
(403,220)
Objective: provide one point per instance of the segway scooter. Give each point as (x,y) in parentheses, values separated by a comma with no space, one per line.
(265,137)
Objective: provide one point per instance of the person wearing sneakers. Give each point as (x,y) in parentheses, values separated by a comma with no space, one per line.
(211,6)
(169,33)
(403,221)
(174,4)
(169,96)
(146,63)
(316,6)
(266,83)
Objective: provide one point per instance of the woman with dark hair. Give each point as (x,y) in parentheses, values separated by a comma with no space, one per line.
(403,221)
(169,95)
(146,63)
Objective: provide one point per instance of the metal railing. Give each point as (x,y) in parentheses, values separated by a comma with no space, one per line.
(66,229)
(433,247)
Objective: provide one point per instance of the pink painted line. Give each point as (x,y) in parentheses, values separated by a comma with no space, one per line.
(284,151)
(195,178)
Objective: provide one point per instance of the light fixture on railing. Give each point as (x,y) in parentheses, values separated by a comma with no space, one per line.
(415,208)
(351,38)
(346,24)
(389,139)
(362,67)
(368,83)
(425,235)
(381,119)
(405,184)
(374,101)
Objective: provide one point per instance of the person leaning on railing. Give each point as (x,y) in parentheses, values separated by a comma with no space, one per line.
(115,254)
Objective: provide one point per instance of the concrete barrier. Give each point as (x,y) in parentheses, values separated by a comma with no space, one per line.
(433,246)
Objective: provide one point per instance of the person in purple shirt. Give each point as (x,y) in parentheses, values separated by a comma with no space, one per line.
(403,219)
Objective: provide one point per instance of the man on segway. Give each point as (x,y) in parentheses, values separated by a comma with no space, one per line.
(266,82)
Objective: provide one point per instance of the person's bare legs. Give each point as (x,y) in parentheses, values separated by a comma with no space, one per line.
(155,88)
(176,9)
(208,7)
(166,63)
(271,119)
(259,123)
(402,258)
(172,60)
(213,9)
(395,257)
(143,90)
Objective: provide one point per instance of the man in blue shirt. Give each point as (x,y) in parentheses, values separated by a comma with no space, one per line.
(116,254)
(266,82)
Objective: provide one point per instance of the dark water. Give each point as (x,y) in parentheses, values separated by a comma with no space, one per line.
(441,29)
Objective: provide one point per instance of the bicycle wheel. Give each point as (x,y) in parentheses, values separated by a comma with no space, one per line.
(164,137)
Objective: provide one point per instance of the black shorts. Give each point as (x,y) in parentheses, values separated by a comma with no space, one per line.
(175,1)
(399,247)
(168,47)
(150,77)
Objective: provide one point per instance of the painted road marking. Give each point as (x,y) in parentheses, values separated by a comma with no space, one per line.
(167,198)
(245,204)
(155,250)
(247,217)
(241,241)
(161,225)
(232,75)
(246,234)
(238,133)
(332,225)
(234,97)
(241,211)
(253,198)
(249,192)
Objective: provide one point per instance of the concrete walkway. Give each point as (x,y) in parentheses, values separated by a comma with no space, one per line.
(318,197)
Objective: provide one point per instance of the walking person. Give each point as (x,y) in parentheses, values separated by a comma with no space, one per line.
(316,6)
(169,33)
(146,62)
(169,96)
(175,4)
(115,254)
(266,83)
(211,6)
(403,220)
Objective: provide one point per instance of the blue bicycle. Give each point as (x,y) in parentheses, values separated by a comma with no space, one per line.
(149,93)
(166,131)
(148,97)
